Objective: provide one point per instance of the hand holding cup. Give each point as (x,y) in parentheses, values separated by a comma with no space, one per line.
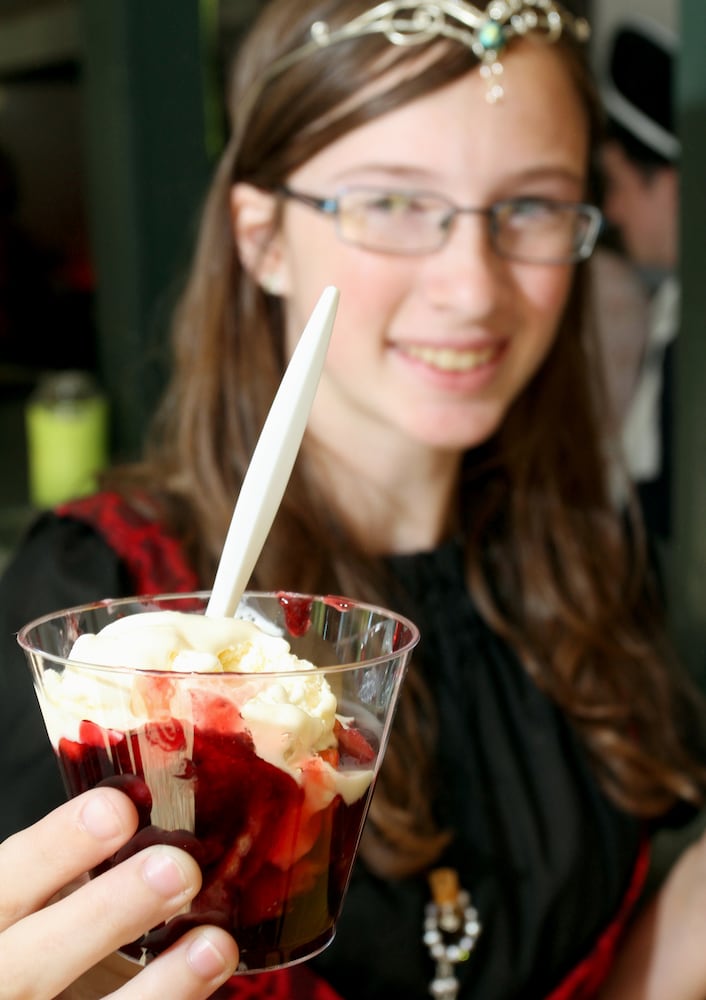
(47,947)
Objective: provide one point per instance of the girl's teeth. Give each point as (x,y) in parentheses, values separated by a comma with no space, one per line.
(449,360)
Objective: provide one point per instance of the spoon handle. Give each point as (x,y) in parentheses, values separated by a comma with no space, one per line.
(273,459)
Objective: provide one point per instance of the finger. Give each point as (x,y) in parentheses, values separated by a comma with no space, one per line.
(190,970)
(37,862)
(74,933)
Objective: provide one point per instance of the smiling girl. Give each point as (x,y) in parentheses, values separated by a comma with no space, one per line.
(432,160)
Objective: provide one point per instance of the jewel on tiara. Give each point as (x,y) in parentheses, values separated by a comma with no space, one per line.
(413,22)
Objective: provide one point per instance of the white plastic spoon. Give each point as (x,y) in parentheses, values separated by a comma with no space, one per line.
(273,459)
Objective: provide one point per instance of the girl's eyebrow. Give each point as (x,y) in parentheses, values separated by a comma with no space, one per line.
(551,171)
(399,171)
(418,175)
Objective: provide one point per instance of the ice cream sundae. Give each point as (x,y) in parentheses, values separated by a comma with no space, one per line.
(237,749)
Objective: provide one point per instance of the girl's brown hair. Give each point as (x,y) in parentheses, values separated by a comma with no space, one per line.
(548,562)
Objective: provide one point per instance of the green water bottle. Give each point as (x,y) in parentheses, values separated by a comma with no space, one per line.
(67,437)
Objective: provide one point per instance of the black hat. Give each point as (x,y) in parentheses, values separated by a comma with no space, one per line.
(639,87)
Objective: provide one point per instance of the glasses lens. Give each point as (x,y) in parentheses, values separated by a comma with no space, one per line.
(543,231)
(393,221)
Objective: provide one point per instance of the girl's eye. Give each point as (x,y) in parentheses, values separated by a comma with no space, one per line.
(391,203)
(530,209)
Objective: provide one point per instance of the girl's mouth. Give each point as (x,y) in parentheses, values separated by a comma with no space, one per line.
(449,359)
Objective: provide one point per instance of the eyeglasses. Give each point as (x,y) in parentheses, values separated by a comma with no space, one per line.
(527,229)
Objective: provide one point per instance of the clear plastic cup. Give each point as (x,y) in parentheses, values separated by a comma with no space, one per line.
(274,827)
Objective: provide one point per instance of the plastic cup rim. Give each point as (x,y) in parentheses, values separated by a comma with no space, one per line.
(330,600)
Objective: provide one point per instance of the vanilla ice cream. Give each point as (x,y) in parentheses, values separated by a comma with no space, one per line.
(290,716)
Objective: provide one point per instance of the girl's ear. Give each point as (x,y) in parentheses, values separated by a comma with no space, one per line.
(259,243)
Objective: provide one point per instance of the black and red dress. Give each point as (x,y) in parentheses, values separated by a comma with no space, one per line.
(552,865)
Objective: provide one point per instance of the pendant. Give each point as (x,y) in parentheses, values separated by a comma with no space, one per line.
(451,929)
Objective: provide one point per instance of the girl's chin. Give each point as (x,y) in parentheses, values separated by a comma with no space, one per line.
(458,436)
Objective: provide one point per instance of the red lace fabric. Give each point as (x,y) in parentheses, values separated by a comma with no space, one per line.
(154,559)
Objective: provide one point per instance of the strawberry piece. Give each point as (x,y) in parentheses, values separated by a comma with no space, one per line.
(352,744)
(331,756)
(70,751)
(239,800)
(121,749)
(222,778)
(96,736)
(295,835)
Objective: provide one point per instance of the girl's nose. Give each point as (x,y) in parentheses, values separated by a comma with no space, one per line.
(466,274)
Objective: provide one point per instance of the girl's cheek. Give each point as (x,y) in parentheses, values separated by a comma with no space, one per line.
(549,292)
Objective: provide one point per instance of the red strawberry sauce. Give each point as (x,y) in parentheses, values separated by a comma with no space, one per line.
(274,871)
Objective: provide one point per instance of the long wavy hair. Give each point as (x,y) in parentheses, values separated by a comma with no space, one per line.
(550,564)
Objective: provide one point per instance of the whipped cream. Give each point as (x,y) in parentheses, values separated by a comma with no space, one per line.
(290,717)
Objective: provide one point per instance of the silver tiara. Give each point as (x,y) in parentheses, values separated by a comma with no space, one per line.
(415,22)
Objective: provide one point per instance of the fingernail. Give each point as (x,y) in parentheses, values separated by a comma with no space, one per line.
(205,959)
(164,875)
(100,818)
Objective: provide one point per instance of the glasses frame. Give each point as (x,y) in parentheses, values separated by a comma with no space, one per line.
(331,206)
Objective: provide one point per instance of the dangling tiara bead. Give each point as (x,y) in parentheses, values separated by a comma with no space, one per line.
(416,22)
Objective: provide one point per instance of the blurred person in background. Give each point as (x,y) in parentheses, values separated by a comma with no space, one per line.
(640,163)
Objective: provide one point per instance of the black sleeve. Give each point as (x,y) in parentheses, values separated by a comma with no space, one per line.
(60,563)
